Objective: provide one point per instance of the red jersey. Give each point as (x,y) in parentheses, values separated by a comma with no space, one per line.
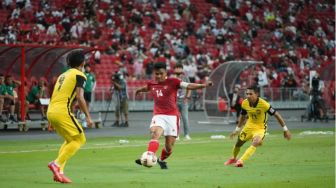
(164,94)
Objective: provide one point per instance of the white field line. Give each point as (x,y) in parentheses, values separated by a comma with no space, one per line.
(108,145)
(97,146)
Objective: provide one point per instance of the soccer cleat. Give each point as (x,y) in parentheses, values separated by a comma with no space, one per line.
(163,164)
(138,161)
(239,163)
(55,170)
(63,180)
(230,161)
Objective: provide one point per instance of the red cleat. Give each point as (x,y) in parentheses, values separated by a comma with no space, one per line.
(64,179)
(239,163)
(55,170)
(230,161)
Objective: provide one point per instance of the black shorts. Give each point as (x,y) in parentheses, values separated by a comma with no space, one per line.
(87,96)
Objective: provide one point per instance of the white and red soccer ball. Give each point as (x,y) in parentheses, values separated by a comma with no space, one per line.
(148,159)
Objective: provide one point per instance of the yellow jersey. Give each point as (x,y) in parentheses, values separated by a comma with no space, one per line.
(257,114)
(65,91)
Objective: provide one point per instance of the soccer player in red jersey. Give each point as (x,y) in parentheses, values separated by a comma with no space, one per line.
(166,118)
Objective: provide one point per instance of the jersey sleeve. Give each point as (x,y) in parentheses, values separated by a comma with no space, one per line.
(268,108)
(80,81)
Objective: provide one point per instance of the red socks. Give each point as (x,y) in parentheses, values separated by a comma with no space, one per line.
(153,146)
(165,154)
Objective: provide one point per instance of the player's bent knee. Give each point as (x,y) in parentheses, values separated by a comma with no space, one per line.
(257,143)
(80,139)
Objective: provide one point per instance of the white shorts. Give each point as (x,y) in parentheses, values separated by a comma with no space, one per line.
(169,123)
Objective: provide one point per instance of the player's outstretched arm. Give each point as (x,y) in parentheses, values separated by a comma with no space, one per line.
(194,86)
(240,124)
(287,133)
(140,90)
(83,106)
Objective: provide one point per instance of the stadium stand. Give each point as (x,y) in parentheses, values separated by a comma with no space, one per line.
(291,38)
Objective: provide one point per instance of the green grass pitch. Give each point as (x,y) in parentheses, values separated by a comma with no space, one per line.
(305,161)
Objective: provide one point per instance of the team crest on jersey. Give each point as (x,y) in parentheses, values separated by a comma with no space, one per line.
(258,111)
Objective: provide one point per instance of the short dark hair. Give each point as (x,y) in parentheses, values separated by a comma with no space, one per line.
(178,65)
(160,65)
(75,58)
(254,88)
(87,65)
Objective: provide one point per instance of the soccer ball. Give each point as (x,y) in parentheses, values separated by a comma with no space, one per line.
(148,159)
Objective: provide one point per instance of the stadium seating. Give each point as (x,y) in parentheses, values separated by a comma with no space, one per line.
(255,39)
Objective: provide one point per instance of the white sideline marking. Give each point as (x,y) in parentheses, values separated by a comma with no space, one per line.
(108,145)
(317,133)
(98,146)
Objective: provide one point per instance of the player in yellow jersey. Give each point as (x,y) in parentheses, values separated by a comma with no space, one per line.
(69,86)
(255,127)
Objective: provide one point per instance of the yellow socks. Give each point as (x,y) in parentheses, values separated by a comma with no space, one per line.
(59,153)
(248,153)
(68,149)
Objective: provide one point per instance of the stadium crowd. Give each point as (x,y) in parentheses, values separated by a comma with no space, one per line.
(289,37)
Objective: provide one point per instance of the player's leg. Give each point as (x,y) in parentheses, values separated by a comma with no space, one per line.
(166,151)
(243,136)
(156,130)
(256,141)
(171,132)
(68,149)
(59,178)
(74,137)
(235,151)
(61,150)
(72,145)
